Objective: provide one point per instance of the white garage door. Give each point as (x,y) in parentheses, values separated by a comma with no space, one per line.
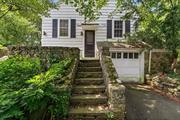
(128,65)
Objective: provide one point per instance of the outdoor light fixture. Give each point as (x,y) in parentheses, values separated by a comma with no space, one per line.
(44,33)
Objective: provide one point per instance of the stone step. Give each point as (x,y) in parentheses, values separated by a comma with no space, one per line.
(89,64)
(88,113)
(89,61)
(89,75)
(90,89)
(89,69)
(89,99)
(89,81)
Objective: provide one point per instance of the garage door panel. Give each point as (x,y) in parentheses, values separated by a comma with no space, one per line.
(128,71)
(129,79)
(126,66)
(128,76)
(126,63)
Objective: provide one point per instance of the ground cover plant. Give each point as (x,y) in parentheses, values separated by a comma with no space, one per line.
(28,93)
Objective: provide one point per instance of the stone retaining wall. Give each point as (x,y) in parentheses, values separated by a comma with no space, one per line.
(48,55)
(115,90)
(3,51)
(160,61)
(167,85)
(60,52)
(178,68)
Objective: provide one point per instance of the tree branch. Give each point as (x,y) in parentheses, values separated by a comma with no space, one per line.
(10,7)
(172,5)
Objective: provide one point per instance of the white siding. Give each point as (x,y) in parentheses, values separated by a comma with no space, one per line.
(68,12)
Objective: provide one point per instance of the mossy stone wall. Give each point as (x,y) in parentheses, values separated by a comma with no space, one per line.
(160,62)
(48,55)
(61,52)
(3,51)
(146,62)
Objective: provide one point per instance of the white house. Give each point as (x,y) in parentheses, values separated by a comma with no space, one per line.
(66,28)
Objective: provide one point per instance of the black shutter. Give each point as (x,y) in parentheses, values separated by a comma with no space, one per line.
(109,28)
(55,28)
(73,28)
(127,26)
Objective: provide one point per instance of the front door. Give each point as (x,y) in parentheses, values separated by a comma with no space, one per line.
(89,43)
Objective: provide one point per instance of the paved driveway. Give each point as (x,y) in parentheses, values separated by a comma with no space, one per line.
(143,104)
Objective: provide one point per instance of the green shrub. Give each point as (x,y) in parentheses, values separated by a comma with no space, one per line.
(15,70)
(1,46)
(40,98)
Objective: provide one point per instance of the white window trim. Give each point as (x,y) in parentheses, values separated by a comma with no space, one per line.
(123,29)
(69,28)
(122,55)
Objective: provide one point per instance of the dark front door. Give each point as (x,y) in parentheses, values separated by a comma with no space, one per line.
(89,43)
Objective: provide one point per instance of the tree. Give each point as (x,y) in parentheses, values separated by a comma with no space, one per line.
(158,22)
(20,20)
(17,30)
(90,9)
(30,9)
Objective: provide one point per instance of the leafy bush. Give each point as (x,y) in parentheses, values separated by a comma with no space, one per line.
(1,46)
(40,97)
(17,69)
(57,101)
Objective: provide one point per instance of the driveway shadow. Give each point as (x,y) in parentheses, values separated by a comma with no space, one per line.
(144,104)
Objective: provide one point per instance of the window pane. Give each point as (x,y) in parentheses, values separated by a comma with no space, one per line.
(118,28)
(127,26)
(64,27)
(130,55)
(113,55)
(118,33)
(136,55)
(118,55)
(125,55)
(55,28)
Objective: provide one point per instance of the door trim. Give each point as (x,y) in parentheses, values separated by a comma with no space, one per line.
(94,33)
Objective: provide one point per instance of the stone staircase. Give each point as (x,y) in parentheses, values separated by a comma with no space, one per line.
(89,100)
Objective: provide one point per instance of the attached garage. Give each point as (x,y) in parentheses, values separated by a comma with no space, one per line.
(129,64)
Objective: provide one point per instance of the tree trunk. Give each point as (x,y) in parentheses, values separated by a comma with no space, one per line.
(174,62)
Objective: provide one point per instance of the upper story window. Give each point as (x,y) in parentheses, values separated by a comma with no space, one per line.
(63,28)
(118,28)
